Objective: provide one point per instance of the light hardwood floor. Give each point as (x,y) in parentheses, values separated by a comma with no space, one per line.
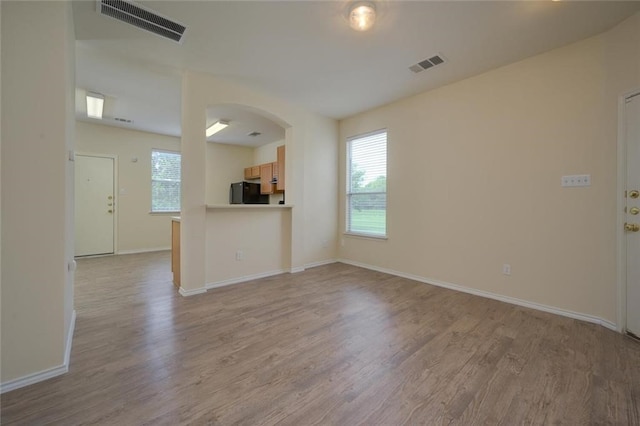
(335,345)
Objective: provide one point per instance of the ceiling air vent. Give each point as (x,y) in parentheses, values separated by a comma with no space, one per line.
(254,134)
(426,64)
(123,120)
(140,17)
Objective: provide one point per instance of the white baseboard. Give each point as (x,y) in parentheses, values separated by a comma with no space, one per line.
(187,293)
(69,342)
(296,269)
(145,250)
(243,279)
(508,299)
(33,378)
(49,373)
(320,263)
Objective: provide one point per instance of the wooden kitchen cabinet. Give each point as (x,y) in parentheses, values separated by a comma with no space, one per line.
(271,175)
(266,176)
(280,161)
(275,168)
(252,172)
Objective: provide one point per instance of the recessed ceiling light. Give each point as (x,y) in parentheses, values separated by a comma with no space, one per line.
(95,105)
(362,15)
(216,127)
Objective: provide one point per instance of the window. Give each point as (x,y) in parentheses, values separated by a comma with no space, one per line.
(367,184)
(165,181)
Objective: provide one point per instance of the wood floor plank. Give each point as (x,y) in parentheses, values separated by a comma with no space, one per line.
(334,345)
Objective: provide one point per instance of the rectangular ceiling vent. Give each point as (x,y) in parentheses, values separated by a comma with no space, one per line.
(142,18)
(426,64)
(254,134)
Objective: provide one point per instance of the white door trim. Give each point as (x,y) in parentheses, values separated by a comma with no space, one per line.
(621,252)
(116,192)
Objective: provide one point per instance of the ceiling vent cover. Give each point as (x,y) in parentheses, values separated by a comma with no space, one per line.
(254,134)
(427,63)
(140,17)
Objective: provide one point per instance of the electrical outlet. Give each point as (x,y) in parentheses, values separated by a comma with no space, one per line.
(506,269)
(239,255)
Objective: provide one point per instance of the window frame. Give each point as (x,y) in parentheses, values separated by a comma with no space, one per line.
(349,193)
(160,212)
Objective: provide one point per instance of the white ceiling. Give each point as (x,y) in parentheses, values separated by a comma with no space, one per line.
(243,121)
(304,51)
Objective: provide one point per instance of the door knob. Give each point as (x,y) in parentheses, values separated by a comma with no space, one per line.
(634,194)
(634,210)
(632,227)
(111,211)
(110,197)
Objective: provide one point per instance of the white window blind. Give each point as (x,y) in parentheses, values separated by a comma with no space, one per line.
(367,184)
(165,181)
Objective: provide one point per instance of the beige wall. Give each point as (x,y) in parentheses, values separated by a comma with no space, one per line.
(262,235)
(266,153)
(225,164)
(0,189)
(37,198)
(70,143)
(304,131)
(474,174)
(137,230)
(321,192)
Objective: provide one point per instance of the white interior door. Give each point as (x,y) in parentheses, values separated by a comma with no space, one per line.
(95,205)
(632,226)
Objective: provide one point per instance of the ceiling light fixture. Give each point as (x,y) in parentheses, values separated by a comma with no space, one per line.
(216,127)
(362,15)
(95,105)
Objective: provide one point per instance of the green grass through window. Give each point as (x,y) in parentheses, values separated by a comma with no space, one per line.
(369,221)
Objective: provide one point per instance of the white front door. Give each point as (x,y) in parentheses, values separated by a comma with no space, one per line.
(95,205)
(632,216)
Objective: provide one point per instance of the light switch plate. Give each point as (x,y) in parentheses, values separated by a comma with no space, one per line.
(576,180)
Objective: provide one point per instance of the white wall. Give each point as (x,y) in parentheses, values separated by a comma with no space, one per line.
(474,174)
(225,164)
(37,198)
(138,230)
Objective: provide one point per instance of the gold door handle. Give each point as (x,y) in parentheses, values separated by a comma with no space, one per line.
(634,210)
(632,227)
(111,211)
(634,194)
